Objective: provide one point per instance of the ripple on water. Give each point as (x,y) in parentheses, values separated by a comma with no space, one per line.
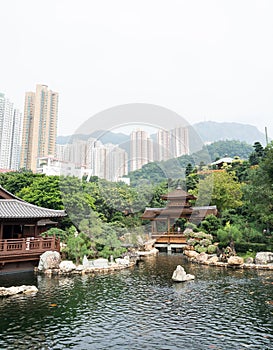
(143,309)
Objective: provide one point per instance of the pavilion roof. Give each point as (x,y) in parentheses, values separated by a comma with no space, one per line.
(178,193)
(154,213)
(16,209)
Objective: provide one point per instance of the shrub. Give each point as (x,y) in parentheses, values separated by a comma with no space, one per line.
(212,249)
(200,249)
(57,232)
(243,247)
(192,241)
(191,226)
(205,242)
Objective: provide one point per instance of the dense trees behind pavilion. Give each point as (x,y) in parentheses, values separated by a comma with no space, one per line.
(104,217)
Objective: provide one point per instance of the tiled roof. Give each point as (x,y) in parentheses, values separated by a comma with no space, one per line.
(178,194)
(16,209)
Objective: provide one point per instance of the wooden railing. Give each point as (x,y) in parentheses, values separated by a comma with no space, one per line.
(27,246)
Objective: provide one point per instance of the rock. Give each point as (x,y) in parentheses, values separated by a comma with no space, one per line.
(213,259)
(149,245)
(85,262)
(191,253)
(235,261)
(17,290)
(151,252)
(100,263)
(124,261)
(202,258)
(249,260)
(67,266)
(264,258)
(180,275)
(49,260)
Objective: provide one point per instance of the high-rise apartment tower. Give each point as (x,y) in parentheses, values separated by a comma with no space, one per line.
(141,149)
(39,126)
(10,134)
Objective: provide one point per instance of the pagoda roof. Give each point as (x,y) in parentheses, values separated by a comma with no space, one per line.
(160,213)
(18,209)
(178,193)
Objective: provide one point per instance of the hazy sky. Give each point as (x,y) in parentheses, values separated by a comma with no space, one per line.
(205,60)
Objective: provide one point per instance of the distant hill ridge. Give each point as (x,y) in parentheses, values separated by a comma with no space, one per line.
(208,131)
(213,131)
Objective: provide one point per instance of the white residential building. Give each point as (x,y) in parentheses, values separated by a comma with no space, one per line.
(10,134)
(141,149)
(179,139)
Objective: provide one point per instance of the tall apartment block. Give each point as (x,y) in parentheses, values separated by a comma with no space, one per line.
(39,126)
(163,145)
(179,141)
(141,149)
(10,134)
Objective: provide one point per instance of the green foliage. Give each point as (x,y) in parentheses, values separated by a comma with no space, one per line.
(191,226)
(78,246)
(14,182)
(229,233)
(219,188)
(257,155)
(210,224)
(57,232)
(211,249)
(232,148)
(44,191)
(260,188)
(200,249)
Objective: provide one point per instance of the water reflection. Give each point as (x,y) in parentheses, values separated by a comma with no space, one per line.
(142,309)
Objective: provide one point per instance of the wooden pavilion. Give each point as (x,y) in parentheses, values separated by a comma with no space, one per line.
(165,229)
(21,226)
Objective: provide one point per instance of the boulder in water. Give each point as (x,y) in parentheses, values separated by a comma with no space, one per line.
(5,292)
(180,275)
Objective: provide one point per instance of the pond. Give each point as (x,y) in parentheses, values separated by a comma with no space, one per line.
(141,308)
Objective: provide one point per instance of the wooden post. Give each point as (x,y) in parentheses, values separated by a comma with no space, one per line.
(1,230)
(168,224)
(153,226)
(5,246)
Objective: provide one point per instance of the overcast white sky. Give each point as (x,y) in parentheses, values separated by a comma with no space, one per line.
(204,59)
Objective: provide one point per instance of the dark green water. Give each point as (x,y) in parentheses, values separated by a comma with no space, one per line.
(141,308)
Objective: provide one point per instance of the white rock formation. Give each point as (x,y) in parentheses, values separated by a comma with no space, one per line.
(17,290)
(180,275)
(264,258)
(67,266)
(49,260)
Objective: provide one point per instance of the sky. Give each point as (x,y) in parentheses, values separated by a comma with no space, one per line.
(202,59)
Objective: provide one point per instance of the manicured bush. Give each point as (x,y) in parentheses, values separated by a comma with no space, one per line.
(211,249)
(200,249)
(243,247)
(205,242)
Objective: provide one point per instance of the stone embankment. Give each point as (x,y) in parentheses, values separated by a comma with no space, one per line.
(51,264)
(263,260)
